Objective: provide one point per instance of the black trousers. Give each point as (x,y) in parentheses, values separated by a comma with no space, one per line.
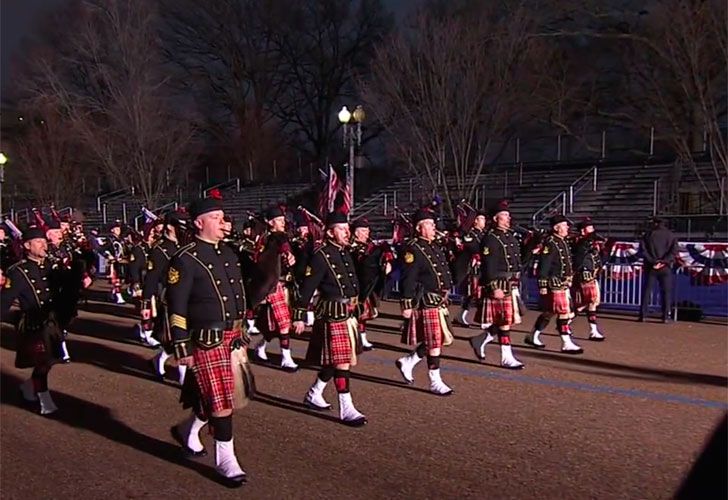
(664,278)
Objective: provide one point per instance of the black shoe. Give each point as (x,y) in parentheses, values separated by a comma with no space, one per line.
(529,341)
(667,320)
(365,348)
(357,422)
(572,351)
(155,372)
(185,449)
(641,319)
(234,482)
(476,343)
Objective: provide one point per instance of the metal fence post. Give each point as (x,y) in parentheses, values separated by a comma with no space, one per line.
(123,212)
(558,147)
(385,203)
(604,144)
(652,141)
(594,186)
(103,213)
(520,174)
(571,198)
(563,203)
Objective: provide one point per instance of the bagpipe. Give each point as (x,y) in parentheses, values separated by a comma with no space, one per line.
(316,227)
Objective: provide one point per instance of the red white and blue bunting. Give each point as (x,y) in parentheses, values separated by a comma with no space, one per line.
(706,262)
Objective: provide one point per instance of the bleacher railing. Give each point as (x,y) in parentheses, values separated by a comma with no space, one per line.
(588,178)
(171,205)
(204,193)
(557,203)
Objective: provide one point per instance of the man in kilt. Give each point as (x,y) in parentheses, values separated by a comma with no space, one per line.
(39,334)
(499,306)
(115,254)
(587,265)
(373,263)
(139,255)
(555,277)
(206,305)
(68,276)
(425,284)
(302,246)
(334,340)
(468,264)
(275,261)
(154,327)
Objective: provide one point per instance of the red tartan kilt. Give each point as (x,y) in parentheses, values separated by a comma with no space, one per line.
(214,374)
(277,312)
(558,302)
(498,312)
(588,293)
(424,326)
(32,351)
(331,344)
(369,310)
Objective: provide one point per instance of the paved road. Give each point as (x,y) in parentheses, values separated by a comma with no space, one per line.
(625,420)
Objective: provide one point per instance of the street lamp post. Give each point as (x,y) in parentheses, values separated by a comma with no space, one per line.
(3,161)
(352,139)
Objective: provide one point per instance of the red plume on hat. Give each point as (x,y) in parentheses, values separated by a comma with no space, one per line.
(215,194)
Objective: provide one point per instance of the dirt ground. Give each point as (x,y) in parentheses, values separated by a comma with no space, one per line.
(625,420)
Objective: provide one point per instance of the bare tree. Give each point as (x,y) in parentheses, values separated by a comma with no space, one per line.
(451,87)
(106,76)
(225,53)
(322,46)
(48,159)
(668,72)
(680,79)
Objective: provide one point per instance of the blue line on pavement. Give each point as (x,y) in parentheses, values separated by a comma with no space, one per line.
(562,384)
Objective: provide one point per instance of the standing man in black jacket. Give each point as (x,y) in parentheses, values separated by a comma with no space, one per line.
(659,247)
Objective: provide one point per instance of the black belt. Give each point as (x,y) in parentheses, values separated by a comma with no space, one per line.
(213,325)
(343,300)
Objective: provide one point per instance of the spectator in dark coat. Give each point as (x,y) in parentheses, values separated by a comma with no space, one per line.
(659,247)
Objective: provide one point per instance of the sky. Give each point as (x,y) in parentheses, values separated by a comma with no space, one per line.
(19,20)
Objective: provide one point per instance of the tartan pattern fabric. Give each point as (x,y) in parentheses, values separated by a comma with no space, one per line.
(333,343)
(32,351)
(498,312)
(214,375)
(588,293)
(277,313)
(369,309)
(559,302)
(37,348)
(424,326)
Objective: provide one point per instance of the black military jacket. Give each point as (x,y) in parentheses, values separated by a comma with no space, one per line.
(205,295)
(30,283)
(472,241)
(501,260)
(303,249)
(555,269)
(157,267)
(425,274)
(331,270)
(368,262)
(137,263)
(587,261)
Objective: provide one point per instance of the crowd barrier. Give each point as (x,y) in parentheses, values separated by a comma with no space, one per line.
(691,298)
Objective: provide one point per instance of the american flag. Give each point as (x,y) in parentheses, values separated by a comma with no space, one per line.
(333,189)
(327,199)
(346,198)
